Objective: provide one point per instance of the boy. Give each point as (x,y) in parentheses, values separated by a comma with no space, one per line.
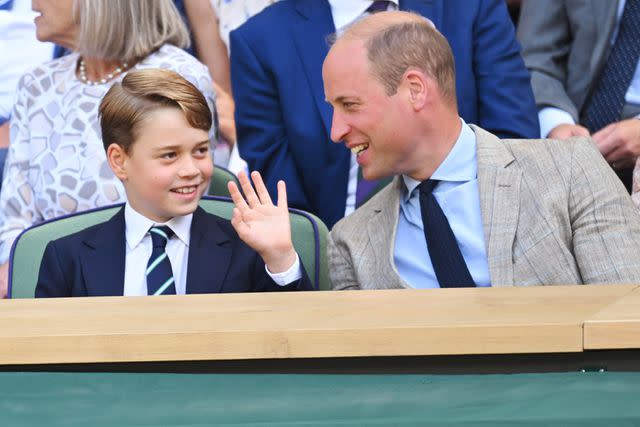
(155,131)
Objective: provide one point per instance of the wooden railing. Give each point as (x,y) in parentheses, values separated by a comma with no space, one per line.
(554,319)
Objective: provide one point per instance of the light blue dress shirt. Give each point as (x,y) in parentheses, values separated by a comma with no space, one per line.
(458,196)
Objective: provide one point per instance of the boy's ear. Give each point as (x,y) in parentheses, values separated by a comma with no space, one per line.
(117,159)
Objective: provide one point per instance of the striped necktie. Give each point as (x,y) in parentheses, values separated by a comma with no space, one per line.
(159,274)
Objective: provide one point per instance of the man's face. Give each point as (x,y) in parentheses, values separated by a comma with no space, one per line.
(168,167)
(365,118)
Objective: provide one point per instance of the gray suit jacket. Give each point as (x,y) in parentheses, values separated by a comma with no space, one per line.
(554,213)
(564,46)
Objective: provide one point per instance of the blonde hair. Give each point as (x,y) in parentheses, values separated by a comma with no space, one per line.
(397,41)
(127,30)
(141,92)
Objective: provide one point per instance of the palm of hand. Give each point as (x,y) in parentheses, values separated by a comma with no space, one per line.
(263,226)
(267,227)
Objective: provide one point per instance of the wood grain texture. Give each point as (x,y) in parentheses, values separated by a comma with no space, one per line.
(300,324)
(616,326)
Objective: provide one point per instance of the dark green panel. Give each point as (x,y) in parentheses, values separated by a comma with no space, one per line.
(117,399)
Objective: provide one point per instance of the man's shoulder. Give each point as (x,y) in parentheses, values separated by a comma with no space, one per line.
(358,219)
(281,11)
(550,150)
(88,237)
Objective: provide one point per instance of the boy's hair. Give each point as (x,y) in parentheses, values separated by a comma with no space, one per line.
(142,92)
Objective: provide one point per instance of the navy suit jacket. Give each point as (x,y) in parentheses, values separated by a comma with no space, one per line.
(284,123)
(91,262)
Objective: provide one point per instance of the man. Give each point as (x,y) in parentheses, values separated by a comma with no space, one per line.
(467,208)
(283,122)
(584,62)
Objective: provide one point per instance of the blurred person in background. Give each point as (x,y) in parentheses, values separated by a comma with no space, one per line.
(584,59)
(56,164)
(20,52)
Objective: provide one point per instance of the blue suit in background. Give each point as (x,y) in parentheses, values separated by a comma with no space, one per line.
(284,123)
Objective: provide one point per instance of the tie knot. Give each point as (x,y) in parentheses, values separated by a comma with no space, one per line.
(160,235)
(378,6)
(426,187)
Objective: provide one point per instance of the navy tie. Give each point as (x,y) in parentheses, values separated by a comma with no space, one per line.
(159,273)
(378,6)
(447,260)
(607,99)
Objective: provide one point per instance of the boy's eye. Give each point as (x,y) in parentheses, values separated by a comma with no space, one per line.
(202,150)
(169,155)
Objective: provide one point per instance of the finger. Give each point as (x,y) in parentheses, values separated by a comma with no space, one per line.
(608,144)
(620,158)
(603,133)
(238,223)
(236,196)
(580,131)
(261,189)
(282,196)
(247,189)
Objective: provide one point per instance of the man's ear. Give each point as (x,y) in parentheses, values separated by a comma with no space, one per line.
(417,87)
(117,159)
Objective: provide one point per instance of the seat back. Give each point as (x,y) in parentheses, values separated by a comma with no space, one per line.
(219,180)
(309,237)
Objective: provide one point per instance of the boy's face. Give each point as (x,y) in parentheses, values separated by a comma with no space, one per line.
(168,166)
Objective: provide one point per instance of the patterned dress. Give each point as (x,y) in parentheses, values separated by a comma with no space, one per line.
(56,163)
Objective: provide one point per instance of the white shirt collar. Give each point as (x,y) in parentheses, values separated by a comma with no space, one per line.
(344,12)
(137,226)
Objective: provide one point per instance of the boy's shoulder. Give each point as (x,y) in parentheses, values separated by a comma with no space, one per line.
(90,236)
(206,222)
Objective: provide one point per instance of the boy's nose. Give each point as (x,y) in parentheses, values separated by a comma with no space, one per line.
(189,168)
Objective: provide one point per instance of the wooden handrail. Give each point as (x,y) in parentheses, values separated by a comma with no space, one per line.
(301,324)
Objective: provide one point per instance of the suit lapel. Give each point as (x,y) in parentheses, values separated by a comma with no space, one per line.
(209,255)
(381,230)
(431,9)
(604,18)
(104,261)
(499,187)
(310,33)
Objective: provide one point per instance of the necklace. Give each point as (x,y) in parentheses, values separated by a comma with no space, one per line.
(115,73)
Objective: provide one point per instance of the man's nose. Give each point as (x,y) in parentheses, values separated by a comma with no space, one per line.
(339,128)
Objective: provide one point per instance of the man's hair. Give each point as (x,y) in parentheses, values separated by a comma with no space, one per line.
(127,104)
(404,41)
(127,30)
